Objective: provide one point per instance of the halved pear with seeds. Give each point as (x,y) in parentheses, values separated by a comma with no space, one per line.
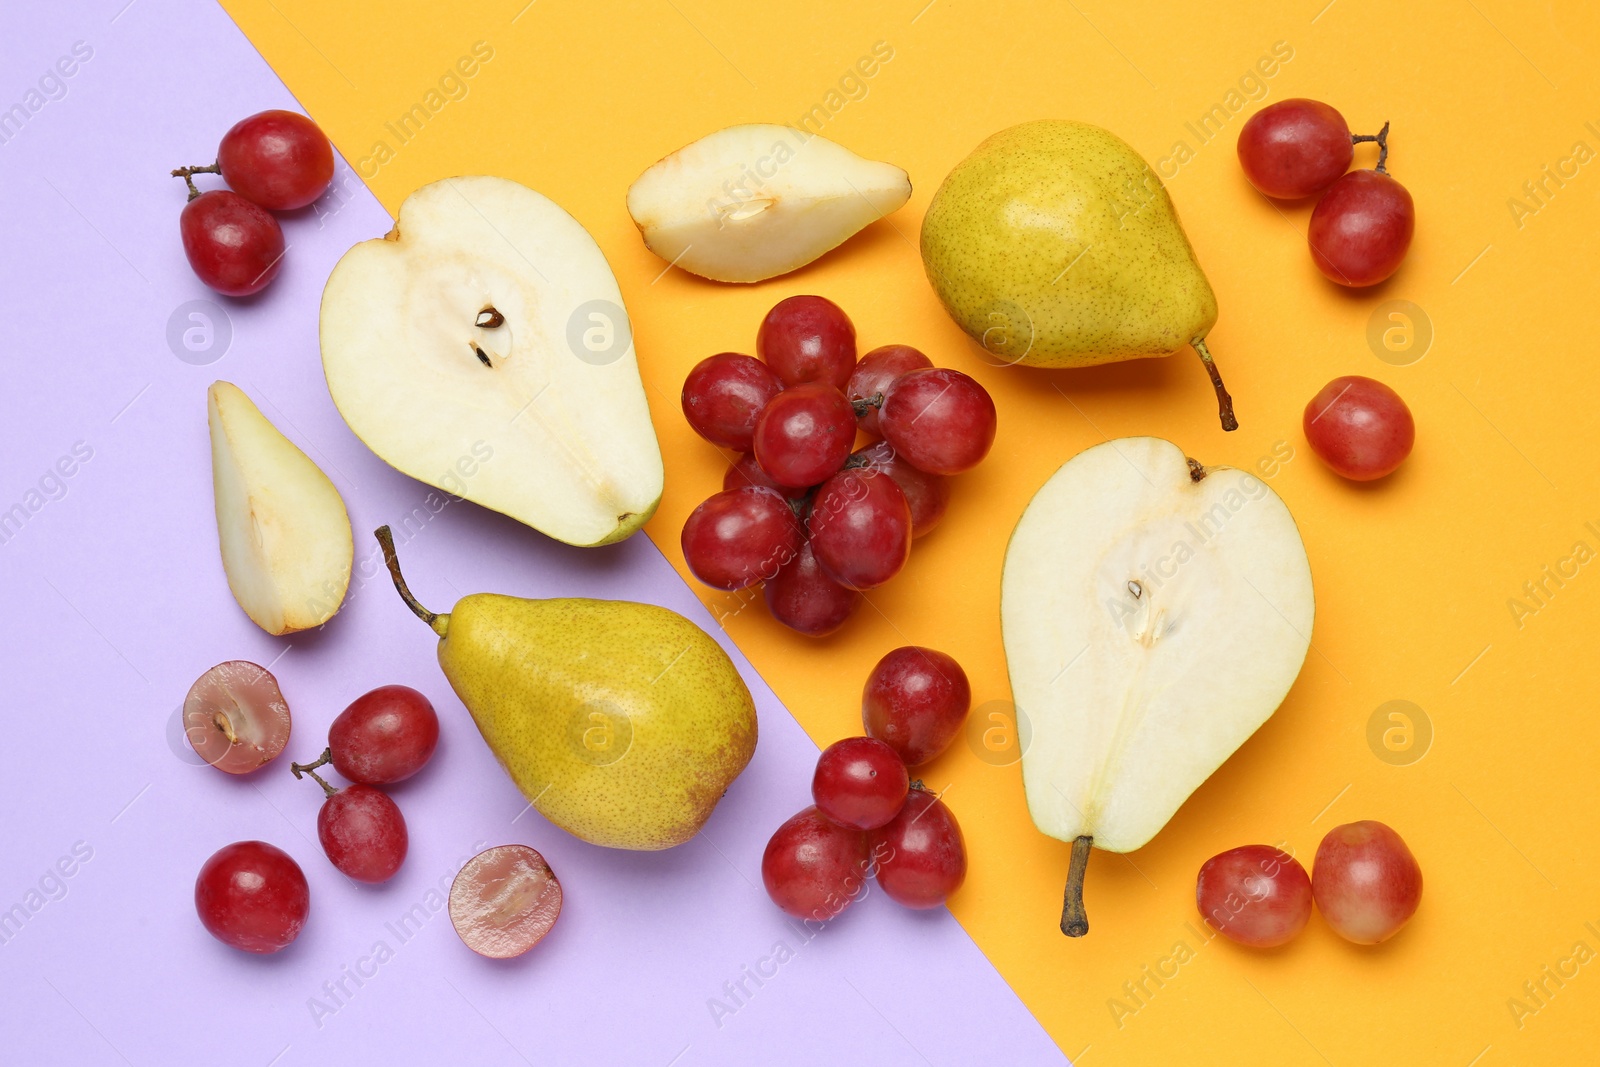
(755,201)
(1155,612)
(482,347)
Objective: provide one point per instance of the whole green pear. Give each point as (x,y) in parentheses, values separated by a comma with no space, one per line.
(1055,245)
(622,723)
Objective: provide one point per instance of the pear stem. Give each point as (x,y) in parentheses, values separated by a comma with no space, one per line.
(1224,401)
(1074,920)
(392,561)
(298,769)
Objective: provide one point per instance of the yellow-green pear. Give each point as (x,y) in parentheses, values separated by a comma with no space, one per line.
(621,723)
(1055,245)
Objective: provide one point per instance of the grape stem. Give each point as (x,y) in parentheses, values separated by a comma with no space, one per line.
(866,404)
(1074,920)
(298,769)
(1382,138)
(1224,401)
(188,173)
(392,561)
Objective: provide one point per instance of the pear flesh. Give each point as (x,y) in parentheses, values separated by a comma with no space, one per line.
(1055,245)
(755,201)
(1155,612)
(621,723)
(482,347)
(282,526)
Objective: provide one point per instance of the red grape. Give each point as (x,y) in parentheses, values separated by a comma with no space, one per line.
(916,701)
(928,494)
(1294,148)
(384,736)
(938,420)
(805,434)
(233,245)
(922,858)
(813,868)
(1256,895)
(808,339)
(804,598)
(278,159)
(235,717)
(740,537)
(1366,882)
(861,528)
(874,373)
(723,396)
(745,471)
(253,896)
(363,833)
(860,783)
(504,901)
(1359,427)
(1361,228)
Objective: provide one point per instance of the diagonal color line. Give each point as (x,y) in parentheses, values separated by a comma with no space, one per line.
(96,629)
(91,1025)
(708,41)
(1474,263)
(130,403)
(124,10)
(724,855)
(521,13)
(1503,437)
(1286,1019)
(885,1018)
(1473,664)
(95,228)
(486,1021)
(1324,11)
(672,264)
(1330,804)
(923,12)
(1480,1055)
(682,1051)
(124,809)
(1501,832)
(311,43)
(1114,48)
(1513,45)
(280,1055)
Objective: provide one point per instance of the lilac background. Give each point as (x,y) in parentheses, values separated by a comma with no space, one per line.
(115,600)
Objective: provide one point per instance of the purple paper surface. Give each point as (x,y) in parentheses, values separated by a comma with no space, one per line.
(115,601)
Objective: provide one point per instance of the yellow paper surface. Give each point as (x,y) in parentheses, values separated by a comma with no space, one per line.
(1415,575)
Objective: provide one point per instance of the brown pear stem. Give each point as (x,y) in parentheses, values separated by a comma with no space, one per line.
(392,561)
(1224,401)
(1074,920)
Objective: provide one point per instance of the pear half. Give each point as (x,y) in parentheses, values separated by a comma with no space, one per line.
(283,528)
(755,201)
(482,347)
(1155,612)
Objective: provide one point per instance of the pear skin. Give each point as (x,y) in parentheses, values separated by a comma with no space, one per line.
(622,723)
(1055,245)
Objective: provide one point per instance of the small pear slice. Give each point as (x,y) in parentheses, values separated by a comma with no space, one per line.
(1155,612)
(482,347)
(283,527)
(755,201)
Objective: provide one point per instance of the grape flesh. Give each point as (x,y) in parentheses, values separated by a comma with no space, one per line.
(235,717)
(504,901)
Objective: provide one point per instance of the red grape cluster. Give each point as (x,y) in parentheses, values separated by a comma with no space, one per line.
(869,816)
(1362,226)
(253,895)
(272,161)
(1365,881)
(801,509)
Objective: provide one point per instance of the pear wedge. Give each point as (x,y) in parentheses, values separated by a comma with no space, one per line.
(755,201)
(1155,612)
(283,528)
(483,347)
(622,723)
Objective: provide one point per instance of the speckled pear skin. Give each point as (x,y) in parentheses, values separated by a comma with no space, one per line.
(1055,245)
(621,723)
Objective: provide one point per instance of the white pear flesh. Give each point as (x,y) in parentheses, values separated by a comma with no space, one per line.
(755,201)
(283,528)
(482,347)
(1152,621)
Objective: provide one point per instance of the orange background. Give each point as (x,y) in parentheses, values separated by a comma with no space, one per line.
(1413,574)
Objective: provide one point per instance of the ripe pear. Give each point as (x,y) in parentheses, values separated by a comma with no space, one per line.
(282,526)
(621,723)
(1055,245)
(1155,612)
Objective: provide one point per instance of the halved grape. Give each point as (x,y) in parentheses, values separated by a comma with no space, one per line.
(235,717)
(504,901)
